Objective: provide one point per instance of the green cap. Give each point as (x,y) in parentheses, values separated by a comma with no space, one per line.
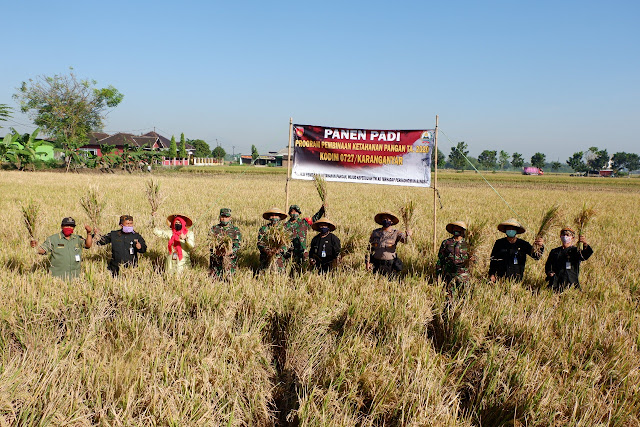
(295,208)
(226,212)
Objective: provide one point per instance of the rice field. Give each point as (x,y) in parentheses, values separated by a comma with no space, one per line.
(347,349)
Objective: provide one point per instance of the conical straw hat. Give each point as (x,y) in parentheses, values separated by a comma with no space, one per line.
(460,224)
(511,222)
(274,211)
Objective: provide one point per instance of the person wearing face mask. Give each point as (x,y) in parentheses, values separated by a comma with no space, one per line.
(325,246)
(298,227)
(453,258)
(509,254)
(267,254)
(64,249)
(181,242)
(125,243)
(563,264)
(222,263)
(382,257)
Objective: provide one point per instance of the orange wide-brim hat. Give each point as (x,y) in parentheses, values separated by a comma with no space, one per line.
(186,219)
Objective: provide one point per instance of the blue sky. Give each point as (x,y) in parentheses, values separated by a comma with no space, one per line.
(555,77)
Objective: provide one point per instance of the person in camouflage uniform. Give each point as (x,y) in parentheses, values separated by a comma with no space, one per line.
(298,228)
(267,254)
(453,258)
(222,263)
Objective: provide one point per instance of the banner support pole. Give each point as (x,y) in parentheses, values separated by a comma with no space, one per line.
(288,164)
(435,184)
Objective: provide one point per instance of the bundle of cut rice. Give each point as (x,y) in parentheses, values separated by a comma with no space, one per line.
(30,216)
(549,219)
(582,220)
(221,244)
(406,213)
(93,204)
(321,186)
(155,198)
(276,239)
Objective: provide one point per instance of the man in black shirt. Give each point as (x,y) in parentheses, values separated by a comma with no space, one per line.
(563,264)
(126,244)
(325,246)
(509,254)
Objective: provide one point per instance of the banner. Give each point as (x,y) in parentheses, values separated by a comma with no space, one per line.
(393,157)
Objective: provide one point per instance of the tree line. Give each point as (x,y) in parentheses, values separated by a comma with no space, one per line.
(68,109)
(581,161)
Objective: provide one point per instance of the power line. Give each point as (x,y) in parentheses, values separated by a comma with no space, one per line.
(485,179)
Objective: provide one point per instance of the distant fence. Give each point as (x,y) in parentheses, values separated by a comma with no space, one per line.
(207,161)
(175,162)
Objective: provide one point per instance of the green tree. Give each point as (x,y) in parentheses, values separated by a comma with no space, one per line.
(22,150)
(503,159)
(622,160)
(488,159)
(183,147)
(67,108)
(442,159)
(173,148)
(5,113)
(597,159)
(576,163)
(517,161)
(538,160)
(457,156)
(254,153)
(201,147)
(218,152)
(555,166)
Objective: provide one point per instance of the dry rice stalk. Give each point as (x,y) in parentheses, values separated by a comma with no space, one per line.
(475,237)
(93,205)
(275,239)
(353,242)
(549,219)
(582,220)
(406,212)
(321,186)
(222,245)
(30,217)
(155,198)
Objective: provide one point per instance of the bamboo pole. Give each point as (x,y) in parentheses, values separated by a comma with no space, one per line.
(435,183)
(286,207)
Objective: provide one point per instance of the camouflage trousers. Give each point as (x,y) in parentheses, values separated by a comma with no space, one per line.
(220,268)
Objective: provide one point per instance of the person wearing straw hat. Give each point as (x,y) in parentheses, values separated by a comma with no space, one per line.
(64,249)
(563,264)
(220,262)
(509,254)
(181,242)
(298,227)
(453,257)
(382,257)
(269,254)
(325,246)
(125,243)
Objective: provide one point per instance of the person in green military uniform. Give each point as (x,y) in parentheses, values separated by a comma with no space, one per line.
(64,249)
(298,227)
(269,255)
(453,258)
(224,257)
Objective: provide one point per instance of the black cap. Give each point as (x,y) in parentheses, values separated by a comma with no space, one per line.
(68,222)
